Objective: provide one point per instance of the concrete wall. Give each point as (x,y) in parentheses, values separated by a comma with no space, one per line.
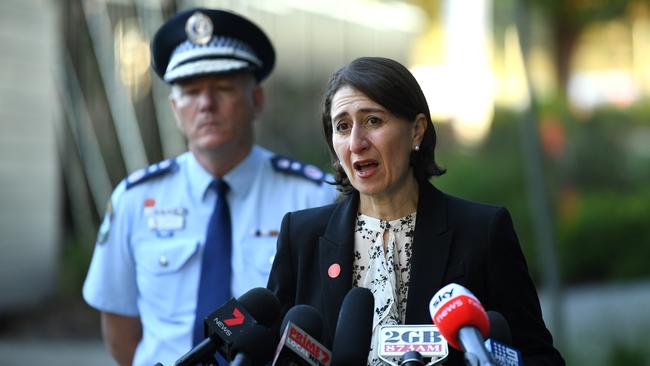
(29,174)
(598,318)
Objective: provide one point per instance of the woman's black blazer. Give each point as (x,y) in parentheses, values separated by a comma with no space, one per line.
(456,240)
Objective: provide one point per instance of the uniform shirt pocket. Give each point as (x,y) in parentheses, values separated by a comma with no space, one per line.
(259,253)
(167,273)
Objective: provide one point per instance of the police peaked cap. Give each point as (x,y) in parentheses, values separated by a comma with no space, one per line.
(204,41)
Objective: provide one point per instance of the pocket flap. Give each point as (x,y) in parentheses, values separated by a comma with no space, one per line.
(161,258)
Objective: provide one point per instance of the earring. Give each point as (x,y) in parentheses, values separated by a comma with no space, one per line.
(417,148)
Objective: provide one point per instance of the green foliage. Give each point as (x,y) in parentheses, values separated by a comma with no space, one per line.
(74,265)
(607,237)
(602,225)
(582,12)
(602,153)
(492,173)
(607,165)
(625,354)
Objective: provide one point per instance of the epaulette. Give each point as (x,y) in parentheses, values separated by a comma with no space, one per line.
(144,174)
(285,165)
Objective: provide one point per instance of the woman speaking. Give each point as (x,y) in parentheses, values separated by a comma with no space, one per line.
(394,232)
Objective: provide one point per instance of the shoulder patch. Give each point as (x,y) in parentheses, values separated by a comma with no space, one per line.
(286,165)
(105,227)
(144,174)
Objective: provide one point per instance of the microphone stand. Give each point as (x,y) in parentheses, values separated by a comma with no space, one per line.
(475,352)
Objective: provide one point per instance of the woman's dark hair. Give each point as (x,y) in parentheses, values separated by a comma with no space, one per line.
(390,84)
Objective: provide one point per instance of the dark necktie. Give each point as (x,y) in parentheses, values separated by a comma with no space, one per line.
(214,285)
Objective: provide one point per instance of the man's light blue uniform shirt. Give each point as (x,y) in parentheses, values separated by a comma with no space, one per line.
(147,260)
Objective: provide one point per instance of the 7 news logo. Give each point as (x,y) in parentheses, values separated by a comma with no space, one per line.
(231,318)
(237,318)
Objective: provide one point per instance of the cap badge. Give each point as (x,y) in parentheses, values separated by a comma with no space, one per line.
(199,28)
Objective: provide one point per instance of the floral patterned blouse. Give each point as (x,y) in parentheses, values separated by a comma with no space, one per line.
(385,272)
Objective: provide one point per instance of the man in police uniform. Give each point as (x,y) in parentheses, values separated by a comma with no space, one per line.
(145,271)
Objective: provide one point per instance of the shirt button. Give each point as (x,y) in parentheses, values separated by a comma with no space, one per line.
(163,261)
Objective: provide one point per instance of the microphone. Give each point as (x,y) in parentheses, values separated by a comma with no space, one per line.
(254,347)
(351,343)
(412,358)
(499,328)
(231,321)
(306,317)
(397,341)
(303,326)
(461,319)
(499,340)
(263,305)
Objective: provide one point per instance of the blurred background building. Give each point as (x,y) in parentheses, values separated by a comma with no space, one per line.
(541,106)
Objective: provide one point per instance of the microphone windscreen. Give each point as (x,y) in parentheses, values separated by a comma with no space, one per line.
(307,317)
(263,305)
(354,328)
(499,328)
(453,308)
(257,343)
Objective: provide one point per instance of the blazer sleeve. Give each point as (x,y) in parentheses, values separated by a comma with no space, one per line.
(282,281)
(512,292)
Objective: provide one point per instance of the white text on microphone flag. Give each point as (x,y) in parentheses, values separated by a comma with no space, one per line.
(395,340)
(306,346)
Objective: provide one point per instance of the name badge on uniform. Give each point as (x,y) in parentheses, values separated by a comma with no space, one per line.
(166,221)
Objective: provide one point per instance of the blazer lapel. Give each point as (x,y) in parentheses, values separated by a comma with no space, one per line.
(336,249)
(431,246)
